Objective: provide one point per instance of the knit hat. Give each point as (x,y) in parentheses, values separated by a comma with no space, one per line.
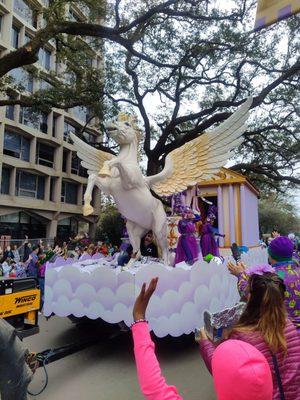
(281,249)
(241,372)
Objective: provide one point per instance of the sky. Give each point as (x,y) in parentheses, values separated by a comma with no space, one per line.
(297,200)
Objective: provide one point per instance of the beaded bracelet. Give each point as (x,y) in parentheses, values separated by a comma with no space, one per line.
(138,321)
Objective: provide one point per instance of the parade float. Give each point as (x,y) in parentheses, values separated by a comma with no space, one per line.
(96,287)
(235,199)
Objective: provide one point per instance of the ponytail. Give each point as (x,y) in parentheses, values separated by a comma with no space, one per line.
(272,320)
(265,311)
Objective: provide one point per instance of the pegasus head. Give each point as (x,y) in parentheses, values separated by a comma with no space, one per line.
(123,130)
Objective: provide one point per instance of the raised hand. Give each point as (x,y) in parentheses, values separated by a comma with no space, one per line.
(236,269)
(142,301)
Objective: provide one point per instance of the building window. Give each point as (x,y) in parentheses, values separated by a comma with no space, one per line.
(52,188)
(33,119)
(44,122)
(89,137)
(15,37)
(79,113)
(5,180)
(27,38)
(45,155)
(22,9)
(22,78)
(65,160)
(82,113)
(45,59)
(29,118)
(26,117)
(24,218)
(16,145)
(69,192)
(10,218)
(10,112)
(69,128)
(30,84)
(54,125)
(76,168)
(40,187)
(30,185)
(75,164)
(63,192)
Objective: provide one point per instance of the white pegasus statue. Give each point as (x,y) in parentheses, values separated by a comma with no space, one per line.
(121,177)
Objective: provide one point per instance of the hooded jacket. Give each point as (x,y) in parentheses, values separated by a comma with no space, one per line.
(289,364)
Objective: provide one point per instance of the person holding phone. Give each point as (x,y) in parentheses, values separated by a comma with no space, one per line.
(281,259)
(239,370)
(264,325)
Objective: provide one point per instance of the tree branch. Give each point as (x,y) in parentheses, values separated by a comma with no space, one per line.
(135,80)
(117,14)
(263,171)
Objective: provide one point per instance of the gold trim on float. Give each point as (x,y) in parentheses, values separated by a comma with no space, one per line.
(237,214)
(226,176)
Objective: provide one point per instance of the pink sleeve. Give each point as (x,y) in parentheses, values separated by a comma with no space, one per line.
(152,383)
(207,349)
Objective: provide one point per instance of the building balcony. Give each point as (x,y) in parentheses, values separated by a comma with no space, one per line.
(36,204)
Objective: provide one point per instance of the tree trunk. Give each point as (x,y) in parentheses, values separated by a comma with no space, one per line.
(153,166)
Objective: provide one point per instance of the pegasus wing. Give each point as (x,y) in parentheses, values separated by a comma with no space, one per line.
(91,158)
(201,158)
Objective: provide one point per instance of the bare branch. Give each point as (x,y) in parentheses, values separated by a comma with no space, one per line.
(256,168)
(117,14)
(135,79)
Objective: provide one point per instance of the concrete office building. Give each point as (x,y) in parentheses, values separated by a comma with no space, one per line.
(42,182)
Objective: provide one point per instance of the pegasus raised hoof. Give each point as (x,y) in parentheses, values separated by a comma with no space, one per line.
(121,176)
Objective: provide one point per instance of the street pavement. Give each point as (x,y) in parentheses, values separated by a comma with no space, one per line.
(106,370)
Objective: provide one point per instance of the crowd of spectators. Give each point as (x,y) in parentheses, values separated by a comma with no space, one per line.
(30,260)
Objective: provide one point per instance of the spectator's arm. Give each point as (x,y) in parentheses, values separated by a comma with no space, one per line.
(26,251)
(152,383)
(27,262)
(207,349)
(20,247)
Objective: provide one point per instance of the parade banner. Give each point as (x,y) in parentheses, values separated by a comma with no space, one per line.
(271,11)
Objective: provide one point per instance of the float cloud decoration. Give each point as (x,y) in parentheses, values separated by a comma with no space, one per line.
(95,290)
(121,177)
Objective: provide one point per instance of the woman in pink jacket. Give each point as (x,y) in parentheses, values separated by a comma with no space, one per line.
(265,326)
(239,370)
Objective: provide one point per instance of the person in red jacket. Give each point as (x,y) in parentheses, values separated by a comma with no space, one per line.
(264,325)
(239,370)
